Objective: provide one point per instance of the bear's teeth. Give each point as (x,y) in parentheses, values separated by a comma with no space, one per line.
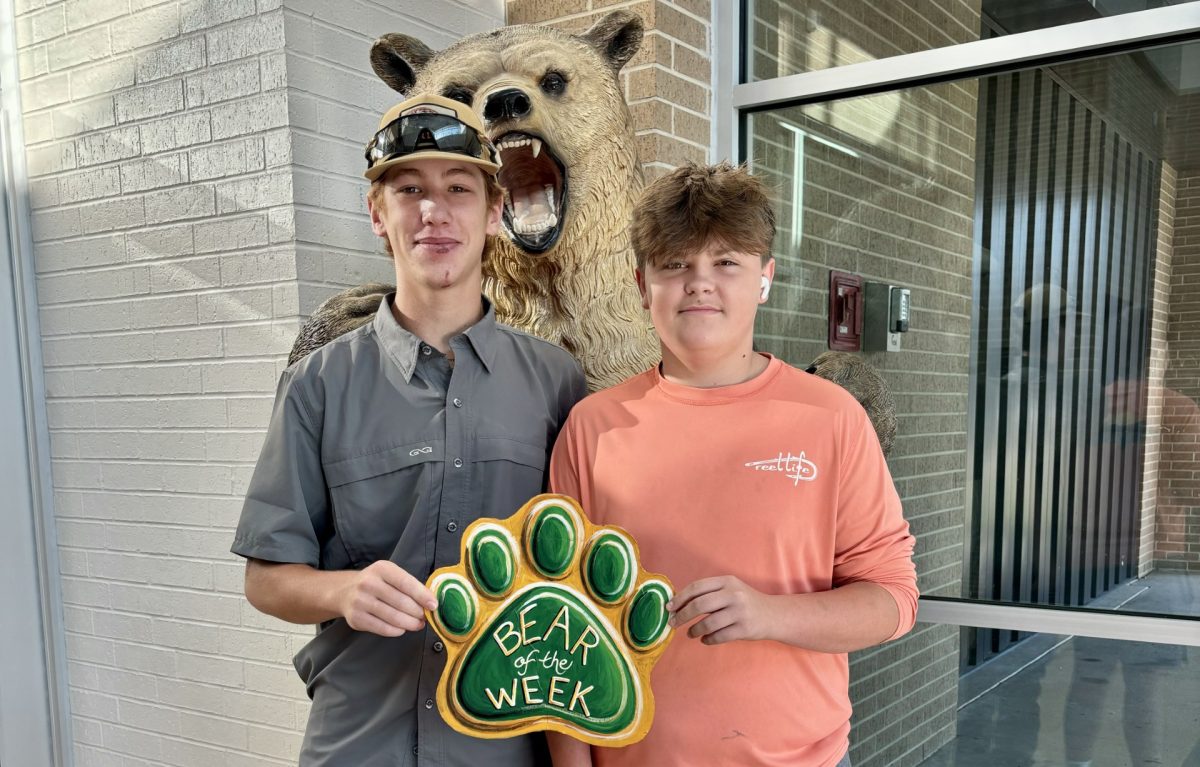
(549,193)
(537,147)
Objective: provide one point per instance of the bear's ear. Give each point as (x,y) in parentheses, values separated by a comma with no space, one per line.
(397,59)
(617,37)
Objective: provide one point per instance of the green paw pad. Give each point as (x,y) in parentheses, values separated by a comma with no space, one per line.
(549,623)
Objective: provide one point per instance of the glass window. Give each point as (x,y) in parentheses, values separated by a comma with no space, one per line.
(786,37)
(1047,223)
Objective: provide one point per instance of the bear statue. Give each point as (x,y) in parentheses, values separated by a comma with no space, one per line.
(562,268)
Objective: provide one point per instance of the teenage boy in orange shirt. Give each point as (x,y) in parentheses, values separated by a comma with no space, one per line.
(760,490)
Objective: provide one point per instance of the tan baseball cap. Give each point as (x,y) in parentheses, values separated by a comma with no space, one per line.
(452,132)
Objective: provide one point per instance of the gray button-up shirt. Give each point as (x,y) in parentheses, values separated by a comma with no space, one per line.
(377,449)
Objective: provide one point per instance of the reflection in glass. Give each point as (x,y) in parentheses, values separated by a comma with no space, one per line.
(1079,701)
(787,37)
(1048,224)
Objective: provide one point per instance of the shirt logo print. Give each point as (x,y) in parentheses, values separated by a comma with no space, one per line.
(795,467)
(420,450)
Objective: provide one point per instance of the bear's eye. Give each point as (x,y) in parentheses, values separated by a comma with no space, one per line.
(458,94)
(553,83)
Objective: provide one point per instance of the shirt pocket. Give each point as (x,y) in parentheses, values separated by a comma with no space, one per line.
(375,495)
(510,471)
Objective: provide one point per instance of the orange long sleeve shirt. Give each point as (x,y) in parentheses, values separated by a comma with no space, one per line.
(779,481)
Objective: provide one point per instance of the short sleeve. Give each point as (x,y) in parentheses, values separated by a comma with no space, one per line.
(287,501)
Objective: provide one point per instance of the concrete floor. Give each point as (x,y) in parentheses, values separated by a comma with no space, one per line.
(1052,700)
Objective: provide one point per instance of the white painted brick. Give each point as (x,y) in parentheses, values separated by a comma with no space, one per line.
(223,83)
(137,381)
(202,14)
(232,233)
(149,100)
(172,59)
(107,146)
(253,115)
(171,345)
(239,377)
(163,242)
(356,268)
(278,147)
(269,5)
(33,62)
(173,477)
(131,628)
(217,731)
(96,351)
(74,562)
(85,13)
(86,732)
(93,251)
(359,88)
(145,658)
(266,190)
(249,412)
(25,7)
(37,127)
(85,648)
(96,757)
(151,717)
(224,513)
(79,48)
(51,158)
(336,231)
(173,603)
(45,91)
(91,286)
(43,26)
(176,204)
(62,445)
(84,592)
(43,193)
(272,680)
(121,213)
(260,340)
(252,268)
(261,34)
(234,305)
(192,274)
(333,157)
(162,312)
(184,636)
(274,70)
(132,742)
(154,173)
(166,446)
(83,117)
(343,194)
(101,78)
(93,705)
(192,413)
(90,184)
(184,753)
(176,132)
(59,384)
(146,28)
(282,222)
(240,476)
(231,158)
(227,447)
(266,646)
(229,577)
(52,224)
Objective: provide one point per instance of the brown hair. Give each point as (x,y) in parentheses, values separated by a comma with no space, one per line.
(695,205)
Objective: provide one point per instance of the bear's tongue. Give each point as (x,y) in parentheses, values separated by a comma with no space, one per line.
(531,209)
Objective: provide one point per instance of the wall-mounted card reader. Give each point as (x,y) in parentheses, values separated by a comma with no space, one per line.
(886,312)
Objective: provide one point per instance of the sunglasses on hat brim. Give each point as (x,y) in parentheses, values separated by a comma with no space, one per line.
(426,132)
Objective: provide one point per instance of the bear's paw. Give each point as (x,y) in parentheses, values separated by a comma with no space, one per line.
(550,623)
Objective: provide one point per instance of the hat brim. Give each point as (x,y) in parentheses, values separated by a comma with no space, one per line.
(375,171)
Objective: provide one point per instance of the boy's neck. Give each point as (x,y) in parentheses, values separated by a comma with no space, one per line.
(708,373)
(436,317)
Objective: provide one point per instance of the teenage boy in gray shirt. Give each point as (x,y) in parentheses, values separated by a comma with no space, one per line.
(387,442)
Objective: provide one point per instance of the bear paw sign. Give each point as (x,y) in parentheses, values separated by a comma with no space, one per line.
(549,623)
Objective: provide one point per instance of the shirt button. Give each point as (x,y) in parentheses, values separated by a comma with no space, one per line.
(429,703)
(451,526)
(414,749)
(457,402)
(426,351)
(438,646)
(458,463)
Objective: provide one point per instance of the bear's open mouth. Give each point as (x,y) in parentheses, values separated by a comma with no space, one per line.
(535,191)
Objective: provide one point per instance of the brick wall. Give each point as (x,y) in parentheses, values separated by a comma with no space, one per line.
(668,84)
(1177,544)
(1160,293)
(178,152)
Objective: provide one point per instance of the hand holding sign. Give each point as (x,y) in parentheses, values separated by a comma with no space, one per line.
(550,624)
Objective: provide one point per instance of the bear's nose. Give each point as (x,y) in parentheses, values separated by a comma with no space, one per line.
(510,103)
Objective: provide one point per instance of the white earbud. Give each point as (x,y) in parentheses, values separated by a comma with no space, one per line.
(766,289)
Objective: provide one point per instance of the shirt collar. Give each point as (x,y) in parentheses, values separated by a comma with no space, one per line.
(404,347)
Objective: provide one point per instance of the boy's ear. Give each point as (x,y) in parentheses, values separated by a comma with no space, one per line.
(641,283)
(377,225)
